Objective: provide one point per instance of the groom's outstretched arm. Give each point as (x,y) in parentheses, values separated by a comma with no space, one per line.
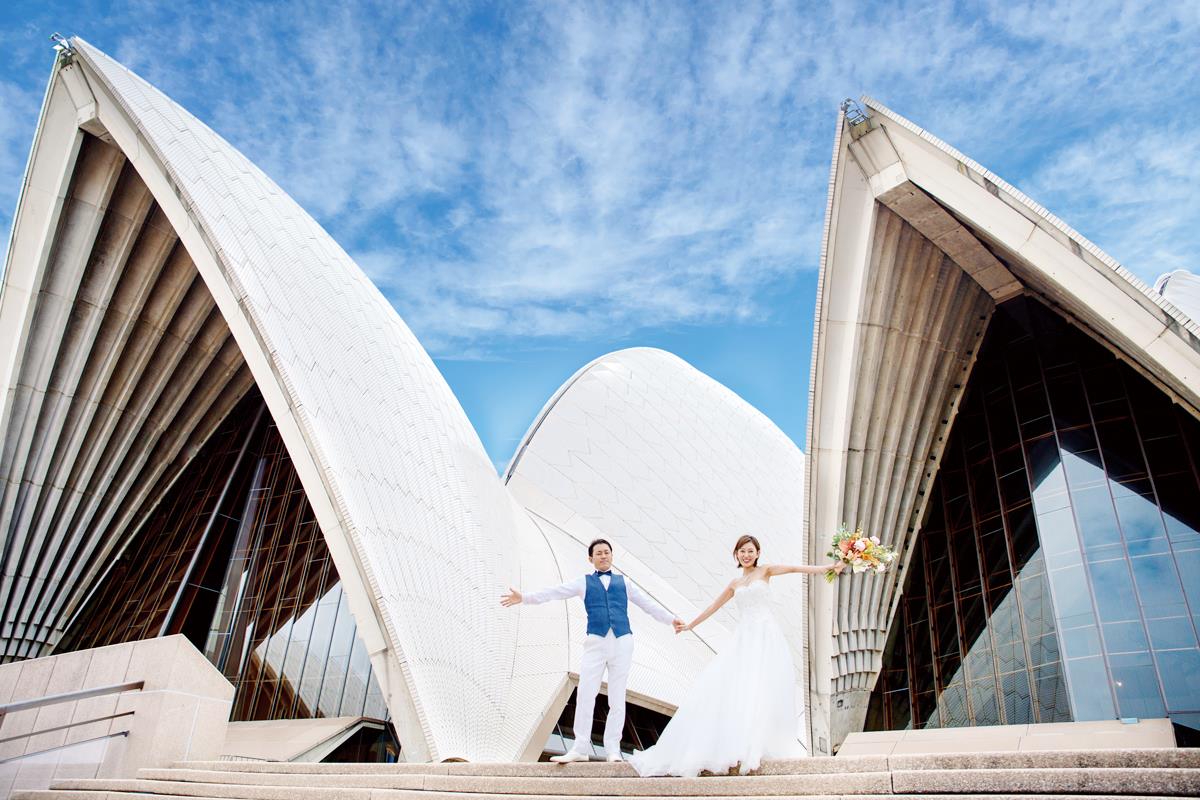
(648,604)
(564,591)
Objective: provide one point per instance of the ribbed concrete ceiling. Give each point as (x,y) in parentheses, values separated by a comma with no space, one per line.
(923,322)
(127,368)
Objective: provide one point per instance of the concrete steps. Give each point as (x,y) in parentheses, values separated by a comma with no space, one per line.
(1114,774)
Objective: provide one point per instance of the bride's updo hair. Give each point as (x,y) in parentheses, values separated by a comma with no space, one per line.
(746,539)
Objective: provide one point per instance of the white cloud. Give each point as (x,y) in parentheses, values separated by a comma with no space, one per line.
(573,170)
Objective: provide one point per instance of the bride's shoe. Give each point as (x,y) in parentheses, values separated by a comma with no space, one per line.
(569,757)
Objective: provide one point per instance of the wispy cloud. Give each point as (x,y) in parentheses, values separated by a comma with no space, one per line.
(586,169)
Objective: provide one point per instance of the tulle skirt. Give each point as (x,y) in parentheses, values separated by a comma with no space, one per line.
(741,710)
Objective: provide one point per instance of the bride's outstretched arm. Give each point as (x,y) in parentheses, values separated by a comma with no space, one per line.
(810,569)
(721,600)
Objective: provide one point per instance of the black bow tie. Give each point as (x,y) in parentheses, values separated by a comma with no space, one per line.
(607,572)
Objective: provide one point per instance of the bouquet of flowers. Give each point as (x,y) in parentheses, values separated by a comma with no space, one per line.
(858,551)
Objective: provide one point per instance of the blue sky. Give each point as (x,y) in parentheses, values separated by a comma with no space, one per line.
(534,185)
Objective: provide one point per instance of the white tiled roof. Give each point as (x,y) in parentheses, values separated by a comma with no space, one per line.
(432,529)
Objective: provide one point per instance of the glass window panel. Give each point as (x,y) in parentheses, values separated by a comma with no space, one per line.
(1083,469)
(1136,685)
(1037,611)
(925,710)
(1057,529)
(949,670)
(1125,637)
(1072,596)
(1181,678)
(1163,457)
(1138,515)
(1154,413)
(1053,703)
(985,492)
(1175,633)
(1106,552)
(1044,649)
(1047,478)
(1068,400)
(899,710)
(1158,586)
(1079,440)
(1103,383)
(1091,697)
(953,706)
(1081,641)
(966,564)
(1117,601)
(1148,547)
(1004,623)
(1002,424)
(1097,519)
(1017,699)
(1177,495)
(993,550)
(1121,448)
(1022,527)
(985,708)
(1189,566)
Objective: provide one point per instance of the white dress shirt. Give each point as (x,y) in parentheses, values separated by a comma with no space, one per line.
(577,587)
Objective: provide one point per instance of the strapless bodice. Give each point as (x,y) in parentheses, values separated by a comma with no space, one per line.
(754,598)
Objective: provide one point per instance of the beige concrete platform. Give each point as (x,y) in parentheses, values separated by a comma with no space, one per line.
(1100,735)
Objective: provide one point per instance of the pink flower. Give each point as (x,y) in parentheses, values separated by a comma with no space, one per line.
(844,545)
(874,540)
(860,545)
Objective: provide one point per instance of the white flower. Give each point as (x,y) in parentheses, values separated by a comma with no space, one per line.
(860,545)
(874,540)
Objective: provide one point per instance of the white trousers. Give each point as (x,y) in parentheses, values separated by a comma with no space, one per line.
(601,654)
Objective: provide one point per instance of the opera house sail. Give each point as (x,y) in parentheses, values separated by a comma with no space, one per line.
(1018,414)
(213,424)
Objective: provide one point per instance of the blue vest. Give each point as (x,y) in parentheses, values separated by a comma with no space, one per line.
(607,610)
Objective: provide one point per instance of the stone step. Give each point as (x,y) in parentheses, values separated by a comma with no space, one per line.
(108,794)
(210,784)
(592,769)
(1167,758)
(464,786)
(377,788)
(1098,781)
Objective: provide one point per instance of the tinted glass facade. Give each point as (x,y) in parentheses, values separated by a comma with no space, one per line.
(234,559)
(1057,575)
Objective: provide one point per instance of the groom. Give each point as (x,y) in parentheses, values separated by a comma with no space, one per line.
(609,643)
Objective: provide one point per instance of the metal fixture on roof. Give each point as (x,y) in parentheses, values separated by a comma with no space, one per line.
(63,47)
(856,116)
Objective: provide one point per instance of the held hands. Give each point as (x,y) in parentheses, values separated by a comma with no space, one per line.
(511,599)
(679,625)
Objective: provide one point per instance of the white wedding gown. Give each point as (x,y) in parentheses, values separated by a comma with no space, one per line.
(742,708)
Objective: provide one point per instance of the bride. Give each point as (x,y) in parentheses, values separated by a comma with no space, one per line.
(742,708)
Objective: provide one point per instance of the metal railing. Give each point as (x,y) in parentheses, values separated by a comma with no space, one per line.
(66,697)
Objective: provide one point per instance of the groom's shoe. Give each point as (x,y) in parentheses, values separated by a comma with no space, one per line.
(569,757)
(615,757)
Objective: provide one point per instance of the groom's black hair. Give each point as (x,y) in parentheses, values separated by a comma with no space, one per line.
(595,542)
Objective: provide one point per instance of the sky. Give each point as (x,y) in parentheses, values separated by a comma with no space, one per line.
(533,185)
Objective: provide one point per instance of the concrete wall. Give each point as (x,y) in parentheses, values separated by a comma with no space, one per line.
(181,713)
(1101,735)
